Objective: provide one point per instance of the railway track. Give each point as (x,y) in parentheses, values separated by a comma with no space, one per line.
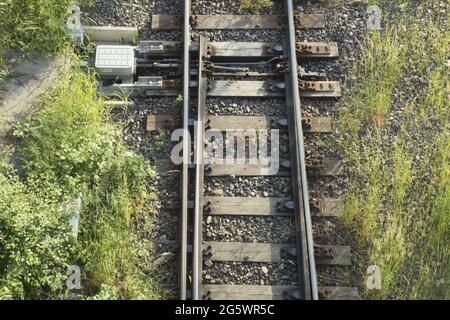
(256,70)
(307,288)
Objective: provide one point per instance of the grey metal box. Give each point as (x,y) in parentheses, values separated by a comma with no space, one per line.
(115,60)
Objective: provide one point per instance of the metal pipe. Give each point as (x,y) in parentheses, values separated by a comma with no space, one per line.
(301,147)
(186,151)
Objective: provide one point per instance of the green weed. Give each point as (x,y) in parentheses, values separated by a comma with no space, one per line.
(255,6)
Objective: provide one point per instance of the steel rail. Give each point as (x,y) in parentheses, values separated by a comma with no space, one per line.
(197,259)
(186,152)
(300,154)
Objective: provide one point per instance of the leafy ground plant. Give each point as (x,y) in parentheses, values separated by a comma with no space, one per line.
(34,242)
(71,147)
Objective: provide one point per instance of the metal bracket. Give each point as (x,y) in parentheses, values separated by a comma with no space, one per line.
(288,252)
(286,206)
(278,49)
(150,47)
(279,123)
(208,252)
(208,124)
(292,295)
(152,82)
(286,164)
(323,252)
(207,56)
(193,21)
(207,207)
(207,295)
(314,205)
(303,73)
(315,163)
(315,86)
(319,49)
(277,86)
(172,84)
(307,123)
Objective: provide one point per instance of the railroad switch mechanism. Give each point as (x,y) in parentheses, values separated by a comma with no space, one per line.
(154,67)
(115,62)
(126,69)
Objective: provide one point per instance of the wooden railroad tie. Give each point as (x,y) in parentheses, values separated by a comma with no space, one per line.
(314,168)
(223,123)
(264,292)
(227,50)
(166,22)
(270,206)
(272,253)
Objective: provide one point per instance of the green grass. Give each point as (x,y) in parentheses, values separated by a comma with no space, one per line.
(255,6)
(3,71)
(160,140)
(33,25)
(382,61)
(398,204)
(71,146)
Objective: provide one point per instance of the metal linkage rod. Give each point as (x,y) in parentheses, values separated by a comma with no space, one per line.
(300,149)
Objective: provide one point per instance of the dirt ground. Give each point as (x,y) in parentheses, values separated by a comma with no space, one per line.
(20,94)
(27,80)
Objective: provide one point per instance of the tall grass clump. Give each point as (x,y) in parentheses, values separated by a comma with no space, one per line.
(71,147)
(395,134)
(379,70)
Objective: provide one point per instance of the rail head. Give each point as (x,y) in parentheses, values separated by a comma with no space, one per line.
(186,155)
(299,152)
